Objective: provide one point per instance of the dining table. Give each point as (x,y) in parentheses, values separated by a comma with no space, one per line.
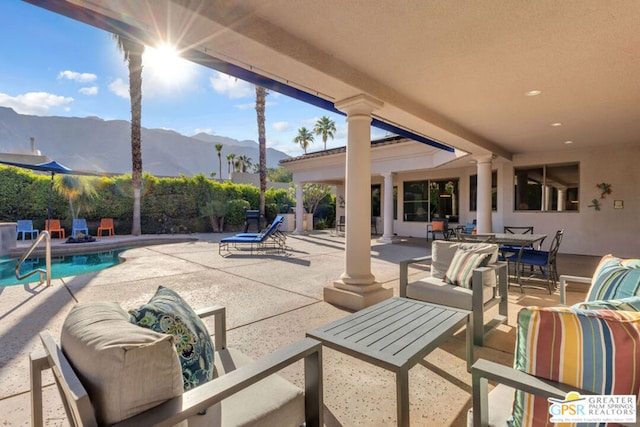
(516,242)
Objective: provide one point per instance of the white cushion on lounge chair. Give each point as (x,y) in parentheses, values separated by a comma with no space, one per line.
(273,401)
(437,291)
(126,369)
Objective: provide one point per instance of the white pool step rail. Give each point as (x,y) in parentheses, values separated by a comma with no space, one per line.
(44,235)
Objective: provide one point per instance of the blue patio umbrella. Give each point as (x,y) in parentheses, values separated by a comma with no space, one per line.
(53,167)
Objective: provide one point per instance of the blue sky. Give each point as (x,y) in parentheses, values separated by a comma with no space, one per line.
(54,66)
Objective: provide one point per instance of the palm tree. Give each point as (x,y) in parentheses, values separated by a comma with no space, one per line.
(243,163)
(304,138)
(78,189)
(231,163)
(325,127)
(133,56)
(219,150)
(261,94)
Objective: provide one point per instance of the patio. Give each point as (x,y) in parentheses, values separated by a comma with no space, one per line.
(268,307)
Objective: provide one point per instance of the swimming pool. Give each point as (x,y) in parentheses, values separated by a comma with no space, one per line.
(62,266)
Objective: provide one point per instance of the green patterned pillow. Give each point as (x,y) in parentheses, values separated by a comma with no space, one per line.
(168,313)
(623,304)
(460,271)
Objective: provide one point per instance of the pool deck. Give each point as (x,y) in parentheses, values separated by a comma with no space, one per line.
(271,300)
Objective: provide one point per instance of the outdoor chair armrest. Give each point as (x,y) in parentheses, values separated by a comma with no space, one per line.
(220,324)
(484,371)
(564,278)
(212,392)
(404,272)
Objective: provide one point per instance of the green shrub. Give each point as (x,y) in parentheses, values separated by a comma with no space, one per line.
(235,212)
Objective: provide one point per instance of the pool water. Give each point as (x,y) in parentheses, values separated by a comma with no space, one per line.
(64,266)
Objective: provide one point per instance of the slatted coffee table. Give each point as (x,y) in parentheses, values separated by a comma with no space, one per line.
(395,334)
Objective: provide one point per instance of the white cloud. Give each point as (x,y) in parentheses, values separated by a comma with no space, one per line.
(34,103)
(230,86)
(206,130)
(120,88)
(78,77)
(250,105)
(92,90)
(281,126)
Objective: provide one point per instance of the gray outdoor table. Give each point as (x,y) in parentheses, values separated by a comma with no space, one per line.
(395,334)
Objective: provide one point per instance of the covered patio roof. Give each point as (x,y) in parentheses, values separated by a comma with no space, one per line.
(457,74)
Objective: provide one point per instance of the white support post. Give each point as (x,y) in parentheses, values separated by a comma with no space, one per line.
(483,213)
(299,209)
(357,287)
(387,235)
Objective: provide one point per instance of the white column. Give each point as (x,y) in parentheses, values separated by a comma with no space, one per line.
(561,196)
(387,213)
(546,198)
(483,214)
(357,287)
(299,209)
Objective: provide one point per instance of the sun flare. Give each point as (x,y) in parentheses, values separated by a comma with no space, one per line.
(165,64)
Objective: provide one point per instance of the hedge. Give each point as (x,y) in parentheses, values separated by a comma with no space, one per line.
(168,205)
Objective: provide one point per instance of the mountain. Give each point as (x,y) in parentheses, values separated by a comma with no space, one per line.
(92,143)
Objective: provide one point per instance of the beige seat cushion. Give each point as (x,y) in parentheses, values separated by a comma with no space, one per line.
(271,402)
(442,253)
(125,369)
(437,291)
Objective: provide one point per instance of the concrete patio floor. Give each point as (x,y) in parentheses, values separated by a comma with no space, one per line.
(271,301)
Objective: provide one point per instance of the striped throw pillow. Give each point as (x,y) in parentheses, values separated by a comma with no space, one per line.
(615,278)
(625,304)
(460,271)
(587,349)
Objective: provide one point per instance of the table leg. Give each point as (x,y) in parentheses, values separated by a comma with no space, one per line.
(469,340)
(402,386)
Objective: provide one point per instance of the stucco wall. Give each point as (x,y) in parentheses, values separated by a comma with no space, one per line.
(587,231)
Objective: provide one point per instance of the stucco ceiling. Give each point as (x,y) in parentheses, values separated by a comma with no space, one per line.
(454,71)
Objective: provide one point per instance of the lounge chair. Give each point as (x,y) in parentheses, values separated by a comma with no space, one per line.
(79,225)
(25,226)
(242,392)
(271,238)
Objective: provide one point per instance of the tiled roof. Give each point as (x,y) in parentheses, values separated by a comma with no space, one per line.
(374,144)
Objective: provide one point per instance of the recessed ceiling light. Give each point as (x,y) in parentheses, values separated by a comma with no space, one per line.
(533,93)
(568,142)
(556,124)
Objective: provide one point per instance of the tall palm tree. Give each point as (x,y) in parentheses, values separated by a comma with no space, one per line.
(261,94)
(304,138)
(243,163)
(219,150)
(231,162)
(132,52)
(325,127)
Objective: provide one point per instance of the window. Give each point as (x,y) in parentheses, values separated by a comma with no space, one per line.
(425,200)
(375,199)
(551,188)
(473,192)
(395,202)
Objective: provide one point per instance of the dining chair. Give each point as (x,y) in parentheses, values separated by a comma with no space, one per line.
(25,226)
(79,225)
(53,226)
(545,261)
(106,224)
(439,226)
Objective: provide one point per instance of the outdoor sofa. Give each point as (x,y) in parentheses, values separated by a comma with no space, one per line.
(588,348)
